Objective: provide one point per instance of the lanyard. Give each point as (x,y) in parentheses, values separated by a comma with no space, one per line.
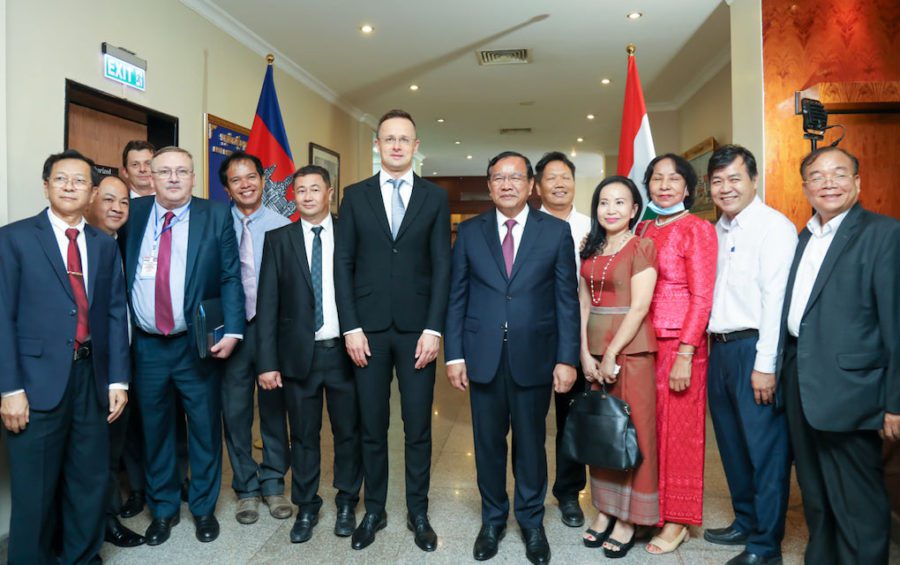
(174,221)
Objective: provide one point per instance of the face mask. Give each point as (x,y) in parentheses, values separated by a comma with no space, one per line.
(660,211)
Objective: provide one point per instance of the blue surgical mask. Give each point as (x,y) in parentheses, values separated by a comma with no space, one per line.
(660,211)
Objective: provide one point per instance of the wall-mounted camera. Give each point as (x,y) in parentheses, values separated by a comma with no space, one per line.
(815,120)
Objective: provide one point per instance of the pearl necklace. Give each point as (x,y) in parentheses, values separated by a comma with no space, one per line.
(668,221)
(595,297)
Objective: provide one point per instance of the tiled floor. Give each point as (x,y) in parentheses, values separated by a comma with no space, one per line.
(454,512)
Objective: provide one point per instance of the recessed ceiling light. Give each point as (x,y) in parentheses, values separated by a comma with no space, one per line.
(634,15)
(434,173)
(414,87)
(590,116)
(440,120)
(468,156)
(366,28)
(573,154)
(605,81)
(457,142)
(580,139)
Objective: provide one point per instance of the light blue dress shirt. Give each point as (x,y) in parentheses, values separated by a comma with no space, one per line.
(261,221)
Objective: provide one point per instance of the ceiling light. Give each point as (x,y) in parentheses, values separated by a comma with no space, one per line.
(457,142)
(434,173)
(468,156)
(440,120)
(605,81)
(414,87)
(633,15)
(580,139)
(590,116)
(366,28)
(573,154)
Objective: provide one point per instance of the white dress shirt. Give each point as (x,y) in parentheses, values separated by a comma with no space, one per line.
(755,254)
(330,328)
(808,269)
(580,224)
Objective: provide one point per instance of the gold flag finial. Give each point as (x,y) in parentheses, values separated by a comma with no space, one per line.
(630,49)
(270,58)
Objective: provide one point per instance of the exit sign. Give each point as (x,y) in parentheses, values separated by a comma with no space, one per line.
(124,66)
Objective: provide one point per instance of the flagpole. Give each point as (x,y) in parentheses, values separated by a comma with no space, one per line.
(270,58)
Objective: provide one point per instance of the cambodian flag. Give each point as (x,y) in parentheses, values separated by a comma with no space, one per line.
(269,142)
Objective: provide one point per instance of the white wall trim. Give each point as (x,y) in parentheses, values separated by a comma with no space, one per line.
(4,177)
(227,23)
(712,67)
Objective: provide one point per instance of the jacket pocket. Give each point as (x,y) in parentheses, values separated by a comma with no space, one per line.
(471,325)
(858,361)
(362,291)
(31,347)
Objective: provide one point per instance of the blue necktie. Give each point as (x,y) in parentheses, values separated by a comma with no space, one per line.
(316,271)
(397,207)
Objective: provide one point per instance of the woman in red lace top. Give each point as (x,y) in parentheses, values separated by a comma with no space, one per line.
(686,254)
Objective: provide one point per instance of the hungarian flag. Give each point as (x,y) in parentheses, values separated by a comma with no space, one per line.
(269,142)
(635,143)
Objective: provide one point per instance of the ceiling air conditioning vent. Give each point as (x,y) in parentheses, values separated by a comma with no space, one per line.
(504,57)
(515,131)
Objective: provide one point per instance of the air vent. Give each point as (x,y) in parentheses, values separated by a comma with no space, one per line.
(504,57)
(515,131)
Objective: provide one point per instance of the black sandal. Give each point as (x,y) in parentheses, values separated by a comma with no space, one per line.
(622,551)
(599,538)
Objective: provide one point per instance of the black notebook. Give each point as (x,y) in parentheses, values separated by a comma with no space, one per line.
(209,325)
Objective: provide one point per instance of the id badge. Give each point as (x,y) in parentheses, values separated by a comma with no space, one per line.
(148,267)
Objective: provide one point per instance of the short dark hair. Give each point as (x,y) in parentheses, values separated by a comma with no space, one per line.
(391,114)
(240,156)
(549,158)
(813,156)
(116,177)
(683,168)
(69,154)
(725,155)
(312,170)
(507,154)
(596,238)
(136,145)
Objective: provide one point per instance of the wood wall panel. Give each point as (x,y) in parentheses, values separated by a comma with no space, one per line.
(807,42)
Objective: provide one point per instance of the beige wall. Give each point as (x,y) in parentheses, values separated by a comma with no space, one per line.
(193,67)
(665,129)
(707,113)
(747,79)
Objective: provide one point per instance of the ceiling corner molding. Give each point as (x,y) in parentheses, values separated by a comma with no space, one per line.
(706,74)
(227,23)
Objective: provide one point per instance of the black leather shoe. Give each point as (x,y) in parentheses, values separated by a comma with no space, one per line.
(488,541)
(120,536)
(159,529)
(303,527)
(345,522)
(134,505)
(365,533)
(426,539)
(572,515)
(537,549)
(207,527)
(747,558)
(725,536)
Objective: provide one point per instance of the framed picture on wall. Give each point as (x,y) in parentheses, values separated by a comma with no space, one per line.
(331,162)
(222,139)
(698,156)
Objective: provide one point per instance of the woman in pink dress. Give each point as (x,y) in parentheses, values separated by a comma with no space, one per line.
(686,254)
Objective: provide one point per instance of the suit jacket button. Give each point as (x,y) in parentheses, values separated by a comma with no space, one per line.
(70,342)
(395,250)
(73,312)
(509,297)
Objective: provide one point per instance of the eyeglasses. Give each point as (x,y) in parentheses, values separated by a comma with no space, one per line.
(514,179)
(166,173)
(78,183)
(391,140)
(818,181)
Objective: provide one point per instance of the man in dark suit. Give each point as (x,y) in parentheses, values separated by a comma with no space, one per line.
(181,251)
(391,275)
(839,362)
(513,333)
(300,348)
(64,368)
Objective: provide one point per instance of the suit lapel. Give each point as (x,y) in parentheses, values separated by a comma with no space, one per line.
(530,236)
(93,253)
(197,221)
(416,199)
(51,249)
(299,246)
(792,276)
(845,233)
(373,195)
(137,227)
(492,237)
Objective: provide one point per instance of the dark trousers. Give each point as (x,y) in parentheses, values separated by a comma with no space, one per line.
(59,463)
(570,474)
(238,385)
(841,479)
(392,349)
(118,431)
(331,376)
(754,445)
(496,405)
(166,369)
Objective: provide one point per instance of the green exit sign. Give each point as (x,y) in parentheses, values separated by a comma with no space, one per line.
(124,66)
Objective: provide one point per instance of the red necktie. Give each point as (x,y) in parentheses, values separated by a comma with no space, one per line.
(165,320)
(509,247)
(76,279)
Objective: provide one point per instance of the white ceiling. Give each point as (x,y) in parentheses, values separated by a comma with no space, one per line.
(573,43)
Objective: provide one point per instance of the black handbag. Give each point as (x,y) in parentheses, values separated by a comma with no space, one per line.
(599,431)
